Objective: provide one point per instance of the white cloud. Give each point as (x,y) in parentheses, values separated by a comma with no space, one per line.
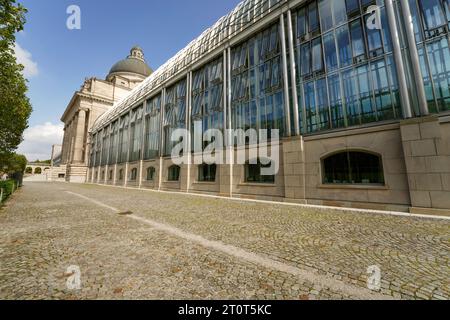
(38,141)
(24,57)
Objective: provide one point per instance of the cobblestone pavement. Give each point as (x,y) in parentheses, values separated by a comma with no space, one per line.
(177,246)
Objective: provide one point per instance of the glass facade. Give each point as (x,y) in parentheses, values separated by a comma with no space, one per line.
(174,113)
(257,100)
(136,133)
(345,70)
(207,96)
(152,127)
(123,138)
(114,139)
(431,20)
(346,76)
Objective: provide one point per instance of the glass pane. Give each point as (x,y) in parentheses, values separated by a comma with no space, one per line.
(313,17)
(322,104)
(330,51)
(433,13)
(334,88)
(343,40)
(325,13)
(317,59)
(358,46)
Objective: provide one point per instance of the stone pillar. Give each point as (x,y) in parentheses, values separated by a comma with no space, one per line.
(78,155)
(294,169)
(426,145)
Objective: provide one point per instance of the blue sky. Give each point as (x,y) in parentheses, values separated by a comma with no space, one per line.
(58,60)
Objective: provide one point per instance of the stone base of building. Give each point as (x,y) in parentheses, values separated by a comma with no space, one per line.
(430,212)
(415,157)
(57,174)
(76,174)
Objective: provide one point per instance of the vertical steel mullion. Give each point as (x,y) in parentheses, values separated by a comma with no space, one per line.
(293,74)
(230,127)
(414,55)
(285,77)
(403,86)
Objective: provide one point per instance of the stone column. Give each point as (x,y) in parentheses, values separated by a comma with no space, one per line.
(78,155)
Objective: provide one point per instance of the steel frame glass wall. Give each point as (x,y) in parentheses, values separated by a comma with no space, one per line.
(123,139)
(431,21)
(152,127)
(98,148)
(174,113)
(207,96)
(105,147)
(114,140)
(346,73)
(257,100)
(346,76)
(136,133)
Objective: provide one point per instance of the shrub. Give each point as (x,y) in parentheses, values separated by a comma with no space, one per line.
(8,187)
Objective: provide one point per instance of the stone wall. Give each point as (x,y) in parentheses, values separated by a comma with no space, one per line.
(426,143)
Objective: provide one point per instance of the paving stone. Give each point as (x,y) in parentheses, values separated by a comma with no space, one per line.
(44,230)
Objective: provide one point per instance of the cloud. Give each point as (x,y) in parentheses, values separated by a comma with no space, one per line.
(24,57)
(38,141)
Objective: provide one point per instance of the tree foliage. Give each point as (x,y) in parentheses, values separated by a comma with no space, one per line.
(15,107)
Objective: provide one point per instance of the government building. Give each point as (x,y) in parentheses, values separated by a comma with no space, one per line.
(358,89)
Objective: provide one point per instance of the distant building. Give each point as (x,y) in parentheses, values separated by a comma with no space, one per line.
(93,99)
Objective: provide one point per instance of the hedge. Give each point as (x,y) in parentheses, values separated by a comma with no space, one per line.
(8,187)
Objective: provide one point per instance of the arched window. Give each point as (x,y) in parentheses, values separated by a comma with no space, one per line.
(207,172)
(133,174)
(253,173)
(29,170)
(174,173)
(121,174)
(103,175)
(110,176)
(38,171)
(353,167)
(151,174)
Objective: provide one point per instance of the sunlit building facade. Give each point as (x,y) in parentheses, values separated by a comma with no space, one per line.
(359,95)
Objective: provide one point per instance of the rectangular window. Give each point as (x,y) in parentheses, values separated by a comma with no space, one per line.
(374,41)
(310,106)
(313,17)
(433,14)
(352,6)
(358,45)
(381,87)
(322,104)
(330,51)
(340,12)
(336,108)
(344,48)
(317,56)
(305,58)
(326,15)
(301,23)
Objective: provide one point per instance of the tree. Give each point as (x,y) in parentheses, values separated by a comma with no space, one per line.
(16,163)
(15,107)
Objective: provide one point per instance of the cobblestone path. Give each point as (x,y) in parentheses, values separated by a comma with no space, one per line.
(177,246)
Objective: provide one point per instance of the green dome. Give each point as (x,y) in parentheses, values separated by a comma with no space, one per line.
(134,63)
